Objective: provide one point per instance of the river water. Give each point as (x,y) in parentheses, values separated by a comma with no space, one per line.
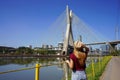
(53,72)
(57,69)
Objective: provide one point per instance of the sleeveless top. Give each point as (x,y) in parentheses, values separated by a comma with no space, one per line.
(77,66)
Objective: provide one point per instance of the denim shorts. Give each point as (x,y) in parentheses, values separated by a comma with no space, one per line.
(78,75)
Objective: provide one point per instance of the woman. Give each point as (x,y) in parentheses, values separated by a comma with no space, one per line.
(77,61)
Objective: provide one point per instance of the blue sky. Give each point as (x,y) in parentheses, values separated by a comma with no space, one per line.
(25,22)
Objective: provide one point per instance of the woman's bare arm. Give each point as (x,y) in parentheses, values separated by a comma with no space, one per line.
(70,63)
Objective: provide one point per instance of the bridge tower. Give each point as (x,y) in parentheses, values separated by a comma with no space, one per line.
(68,40)
(112,46)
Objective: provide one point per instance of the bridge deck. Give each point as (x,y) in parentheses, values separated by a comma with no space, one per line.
(112,71)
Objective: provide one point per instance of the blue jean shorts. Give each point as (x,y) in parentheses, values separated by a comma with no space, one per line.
(79,75)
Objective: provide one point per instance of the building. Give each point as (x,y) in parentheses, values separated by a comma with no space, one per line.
(60,46)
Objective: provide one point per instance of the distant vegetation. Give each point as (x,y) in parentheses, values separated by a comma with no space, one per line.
(38,51)
(43,51)
(26,51)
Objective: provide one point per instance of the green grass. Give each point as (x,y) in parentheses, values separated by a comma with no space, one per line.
(95,70)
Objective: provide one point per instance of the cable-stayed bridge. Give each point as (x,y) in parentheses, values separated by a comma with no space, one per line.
(111,42)
(69,28)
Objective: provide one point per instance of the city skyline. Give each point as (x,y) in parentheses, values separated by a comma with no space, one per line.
(25,22)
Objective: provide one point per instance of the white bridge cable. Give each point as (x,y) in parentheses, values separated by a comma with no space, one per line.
(88,34)
(57,30)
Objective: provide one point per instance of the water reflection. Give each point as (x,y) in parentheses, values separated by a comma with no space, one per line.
(26,61)
(58,70)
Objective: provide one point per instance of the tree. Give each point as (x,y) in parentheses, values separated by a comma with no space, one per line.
(24,50)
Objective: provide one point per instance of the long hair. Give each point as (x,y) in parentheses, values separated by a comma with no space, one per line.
(79,52)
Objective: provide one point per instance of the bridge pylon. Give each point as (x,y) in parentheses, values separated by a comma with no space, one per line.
(68,40)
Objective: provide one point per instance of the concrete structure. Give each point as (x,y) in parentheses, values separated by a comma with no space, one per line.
(45,46)
(60,45)
(112,44)
(68,41)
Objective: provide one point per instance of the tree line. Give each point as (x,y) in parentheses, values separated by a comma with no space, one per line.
(27,50)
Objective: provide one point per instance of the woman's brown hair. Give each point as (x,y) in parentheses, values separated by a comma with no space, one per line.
(79,52)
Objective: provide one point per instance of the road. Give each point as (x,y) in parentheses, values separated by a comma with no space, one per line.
(112,71)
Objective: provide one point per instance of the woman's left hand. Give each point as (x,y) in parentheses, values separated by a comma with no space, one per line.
(67,61)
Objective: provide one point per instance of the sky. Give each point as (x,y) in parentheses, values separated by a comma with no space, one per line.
(25,22)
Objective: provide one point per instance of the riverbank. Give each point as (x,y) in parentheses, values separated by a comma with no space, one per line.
(30,55)
(35,55)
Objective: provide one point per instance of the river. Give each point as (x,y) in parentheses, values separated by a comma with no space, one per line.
(53,72)
(57,69)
